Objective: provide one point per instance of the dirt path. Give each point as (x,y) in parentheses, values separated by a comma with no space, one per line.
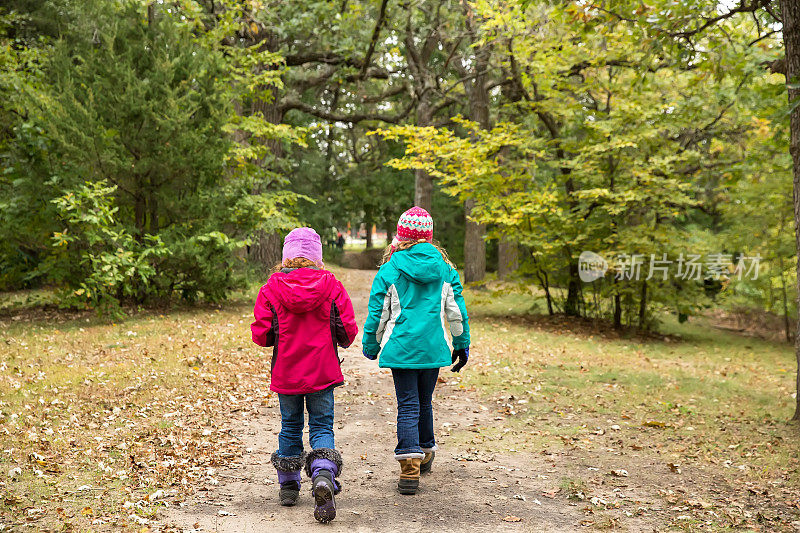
(469,489)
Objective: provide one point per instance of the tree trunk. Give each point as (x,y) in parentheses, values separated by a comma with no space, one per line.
(617,312)
(507,258)
(139,214)
(572,305)
(368,229)
(544,282)
(389,232)
(474,247)
(474,243)
(786,326)
(643,306)
(423,190)
(267,247)
(152,206)
(790,13)
(423,182)
(267,250)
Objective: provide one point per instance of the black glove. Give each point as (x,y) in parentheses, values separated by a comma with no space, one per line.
(462,356)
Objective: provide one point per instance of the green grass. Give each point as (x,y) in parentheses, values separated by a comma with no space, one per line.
(725,396)
(106,406)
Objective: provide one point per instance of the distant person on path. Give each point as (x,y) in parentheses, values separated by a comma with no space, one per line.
(415,293)
(305,312)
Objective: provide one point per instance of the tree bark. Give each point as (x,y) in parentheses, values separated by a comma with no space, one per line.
(572,305)
(389,232)
(423,190)
(474,242)
(423,182)
(267,247)
(267,250)
(152,206)
(617,311)
(786,327)
(507,258)
(474,247)
(139,215)
(544,281)
(368,228)
(643,305)
(790,13)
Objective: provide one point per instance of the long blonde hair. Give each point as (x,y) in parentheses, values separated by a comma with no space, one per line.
(405,245)
(297,262)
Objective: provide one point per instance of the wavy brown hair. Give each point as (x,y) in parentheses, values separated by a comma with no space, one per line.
(405,245)
(297,262)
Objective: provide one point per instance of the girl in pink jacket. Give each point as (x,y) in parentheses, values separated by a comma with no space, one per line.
(304,312)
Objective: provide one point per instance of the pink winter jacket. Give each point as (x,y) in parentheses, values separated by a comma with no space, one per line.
(304,313)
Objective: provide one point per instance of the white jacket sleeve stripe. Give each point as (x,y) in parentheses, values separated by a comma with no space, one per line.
(452,311)
(389,313)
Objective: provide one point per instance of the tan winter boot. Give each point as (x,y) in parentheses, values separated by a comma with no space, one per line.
(427,462)
(409,476)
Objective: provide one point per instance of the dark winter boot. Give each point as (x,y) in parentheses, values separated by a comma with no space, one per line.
(288,469)
(323,465)
(409,476)
(290,491)
(427,462)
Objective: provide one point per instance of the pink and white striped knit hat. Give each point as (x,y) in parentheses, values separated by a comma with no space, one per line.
(414,224)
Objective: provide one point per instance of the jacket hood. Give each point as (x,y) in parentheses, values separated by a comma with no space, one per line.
(422,263)
(301,290)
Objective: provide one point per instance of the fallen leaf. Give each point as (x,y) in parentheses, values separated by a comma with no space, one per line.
(699,504)
(512,518)
(674,467)
(619,472)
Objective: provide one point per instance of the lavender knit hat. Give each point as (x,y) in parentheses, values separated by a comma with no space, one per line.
(303,242)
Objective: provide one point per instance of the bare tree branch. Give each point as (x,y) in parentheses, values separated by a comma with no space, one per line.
(328,58)
(375,34)
(332,116)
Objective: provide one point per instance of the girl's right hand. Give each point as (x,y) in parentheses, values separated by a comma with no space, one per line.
(369,356)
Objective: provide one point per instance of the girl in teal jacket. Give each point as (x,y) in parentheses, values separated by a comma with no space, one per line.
(417,323)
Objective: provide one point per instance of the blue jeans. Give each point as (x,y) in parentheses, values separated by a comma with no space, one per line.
(414,390)
(320,422)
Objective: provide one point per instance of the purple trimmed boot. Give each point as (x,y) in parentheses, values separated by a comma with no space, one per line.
(288,469)
(323,465)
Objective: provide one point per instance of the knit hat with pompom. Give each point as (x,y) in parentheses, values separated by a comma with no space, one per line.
(415,224)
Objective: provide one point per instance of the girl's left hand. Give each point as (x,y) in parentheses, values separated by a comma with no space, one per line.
(462,356)
(369,356)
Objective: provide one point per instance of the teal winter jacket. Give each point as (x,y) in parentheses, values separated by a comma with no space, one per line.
(415,307)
